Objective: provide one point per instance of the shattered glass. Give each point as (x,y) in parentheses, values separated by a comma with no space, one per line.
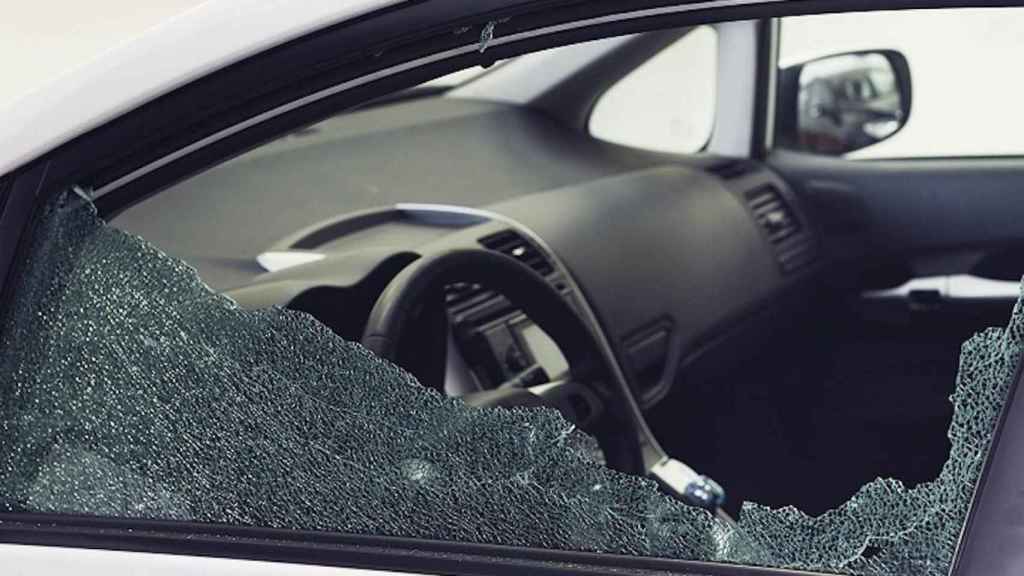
(132,390)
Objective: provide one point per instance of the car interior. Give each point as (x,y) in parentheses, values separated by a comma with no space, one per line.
(788,325)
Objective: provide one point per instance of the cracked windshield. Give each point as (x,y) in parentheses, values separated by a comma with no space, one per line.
(394,323)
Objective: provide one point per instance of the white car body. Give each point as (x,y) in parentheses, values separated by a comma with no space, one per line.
(189,46)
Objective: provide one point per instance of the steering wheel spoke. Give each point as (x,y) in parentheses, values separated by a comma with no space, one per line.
(575,401)
(389,328)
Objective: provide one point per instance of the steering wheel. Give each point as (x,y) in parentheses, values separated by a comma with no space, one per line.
(581,398)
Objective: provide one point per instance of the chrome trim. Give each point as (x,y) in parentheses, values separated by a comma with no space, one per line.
(410,65)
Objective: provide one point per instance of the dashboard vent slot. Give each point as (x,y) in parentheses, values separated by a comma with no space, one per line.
(794,246)
(772,214)
(511,243)
(464,296)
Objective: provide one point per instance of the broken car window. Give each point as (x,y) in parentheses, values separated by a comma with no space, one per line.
(133,390)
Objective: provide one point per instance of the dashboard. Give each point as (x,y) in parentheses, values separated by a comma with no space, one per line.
(662,263)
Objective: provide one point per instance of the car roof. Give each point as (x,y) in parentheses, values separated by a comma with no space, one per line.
(184,48)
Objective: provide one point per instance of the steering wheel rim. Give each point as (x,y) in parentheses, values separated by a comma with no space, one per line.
(541,302)
(520,284)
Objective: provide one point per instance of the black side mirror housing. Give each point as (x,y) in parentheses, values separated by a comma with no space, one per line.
(843,102)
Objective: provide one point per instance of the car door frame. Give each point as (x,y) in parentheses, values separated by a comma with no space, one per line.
(166,152)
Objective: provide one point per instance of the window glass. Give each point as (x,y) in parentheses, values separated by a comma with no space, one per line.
(963,65)
(132,390)
(668,103)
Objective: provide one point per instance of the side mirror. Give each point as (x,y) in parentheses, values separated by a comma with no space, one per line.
(841,103)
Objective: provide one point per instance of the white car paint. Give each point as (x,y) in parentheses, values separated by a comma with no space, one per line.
(42,39)
(186,47)
(18,560)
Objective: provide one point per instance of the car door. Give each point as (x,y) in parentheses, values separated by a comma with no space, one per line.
(242,106)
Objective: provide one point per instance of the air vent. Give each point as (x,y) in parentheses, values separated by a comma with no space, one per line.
(464,296)
(772,214)
(794,246)
(512,244)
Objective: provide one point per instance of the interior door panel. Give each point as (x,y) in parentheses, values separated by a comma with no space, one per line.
(928,240)
(920,254)
(912,206)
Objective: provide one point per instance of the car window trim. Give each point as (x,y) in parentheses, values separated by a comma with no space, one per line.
(511,39)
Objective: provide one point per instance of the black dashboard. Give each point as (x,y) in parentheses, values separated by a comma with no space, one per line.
(665,259)
(671,258)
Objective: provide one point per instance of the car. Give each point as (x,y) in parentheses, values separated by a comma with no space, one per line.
(722,287)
